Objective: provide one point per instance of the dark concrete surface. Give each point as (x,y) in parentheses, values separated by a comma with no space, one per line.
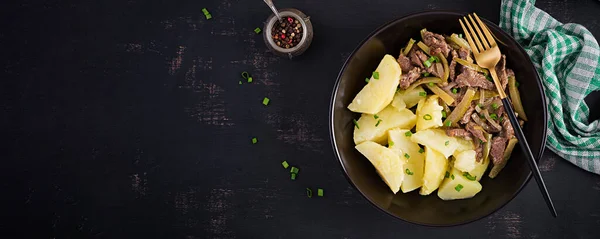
(124,119)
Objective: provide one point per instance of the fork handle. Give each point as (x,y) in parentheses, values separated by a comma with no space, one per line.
(497,82)
(530,158)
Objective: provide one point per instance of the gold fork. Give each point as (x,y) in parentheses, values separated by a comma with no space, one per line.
(487,54)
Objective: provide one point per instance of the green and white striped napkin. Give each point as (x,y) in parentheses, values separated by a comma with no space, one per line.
(567,58)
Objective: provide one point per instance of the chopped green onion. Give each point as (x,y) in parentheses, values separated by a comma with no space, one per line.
(494,116)
(454,91)
(408,134)
(517,84)
(205,11)
(245,75)
(469,177)
(240,82)
(460,35)
(285,164)
(408,172)
(254,140)
(435,58)
(443,114)
(430,84)
(208,16)
(480,105)
(367,80)
(447,142)
(482,116)
(355,123)
(452,176)
(495,106)
(488,77)
(319,192)
(309,192)
(249,79)
(257,30)
(427,117)
(458,187)
(448,123)
(266,101)
(421,151)
(425,73)
(294,170)
(447,174)
(406,155)
(427,63)
(293,176)
(376,75)
(379,121)
(481,141)
(376,116)
(391,143)
(423,93)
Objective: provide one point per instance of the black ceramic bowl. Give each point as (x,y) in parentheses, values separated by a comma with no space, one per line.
(412,207)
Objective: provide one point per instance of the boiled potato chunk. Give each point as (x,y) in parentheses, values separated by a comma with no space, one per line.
(399,142)
(436,139)
(480,168)
(386,162)
(378,93)
(429,113)
(465,161)
(457,186)
(409,98)
(388,118)
(435,169)
(398,103)
(463,145)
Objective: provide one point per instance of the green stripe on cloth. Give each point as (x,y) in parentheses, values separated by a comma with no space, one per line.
(567,58)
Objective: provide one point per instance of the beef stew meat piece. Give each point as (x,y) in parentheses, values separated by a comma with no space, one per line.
(472,78)
(497,151)
(404,63)
(467,117)
(437,43)
(414,57)
(452,66)
(436,69)
(501,72)
(475,132)
(408,78)
(507,129)
(463,53)
(458,132)
(422,56)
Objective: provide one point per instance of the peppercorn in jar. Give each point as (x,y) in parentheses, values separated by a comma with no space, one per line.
(287,33)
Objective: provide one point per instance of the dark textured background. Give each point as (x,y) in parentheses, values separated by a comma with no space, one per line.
(124,119)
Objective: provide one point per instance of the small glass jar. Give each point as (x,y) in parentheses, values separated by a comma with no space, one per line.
(305,40)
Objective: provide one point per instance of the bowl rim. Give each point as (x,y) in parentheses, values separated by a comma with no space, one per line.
(403,18)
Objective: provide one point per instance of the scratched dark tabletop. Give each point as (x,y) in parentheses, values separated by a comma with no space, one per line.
(124,119)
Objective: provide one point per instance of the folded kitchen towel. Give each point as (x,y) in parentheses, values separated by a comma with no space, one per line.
(567,57)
